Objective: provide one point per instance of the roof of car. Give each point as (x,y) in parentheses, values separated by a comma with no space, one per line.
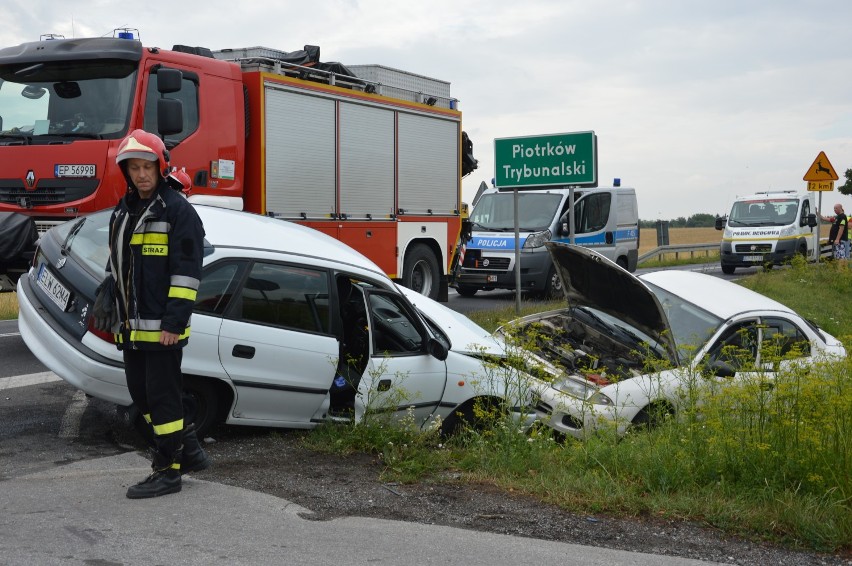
(717,296)
(224,227)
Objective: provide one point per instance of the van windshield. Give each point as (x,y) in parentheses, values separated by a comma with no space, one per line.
(496,211)
(764,212)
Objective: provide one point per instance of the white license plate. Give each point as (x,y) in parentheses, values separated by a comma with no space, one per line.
(753,258)
(491,278)
(72,170)
(54,289)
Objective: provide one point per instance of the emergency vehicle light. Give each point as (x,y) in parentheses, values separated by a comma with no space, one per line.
(616,182)
(125,33)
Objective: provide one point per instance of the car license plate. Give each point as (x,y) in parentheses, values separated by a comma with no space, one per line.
(753,258)
(491,278)
(73,170)
(54,289)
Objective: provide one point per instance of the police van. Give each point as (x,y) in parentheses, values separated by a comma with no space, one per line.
(605,219)
(767,228)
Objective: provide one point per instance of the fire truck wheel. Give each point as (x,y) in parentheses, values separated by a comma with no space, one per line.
(421,272)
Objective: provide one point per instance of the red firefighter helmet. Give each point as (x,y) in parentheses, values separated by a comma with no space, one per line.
(179,180)
(140,144)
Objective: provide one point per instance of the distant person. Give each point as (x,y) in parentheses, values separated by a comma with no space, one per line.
(839,233)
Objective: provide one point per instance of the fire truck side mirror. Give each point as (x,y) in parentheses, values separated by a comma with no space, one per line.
(169,116)
(169,80)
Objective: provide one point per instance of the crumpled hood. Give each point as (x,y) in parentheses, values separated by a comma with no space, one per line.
(589,279)
(466,337)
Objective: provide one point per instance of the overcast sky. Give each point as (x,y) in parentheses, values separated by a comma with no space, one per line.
(693,102)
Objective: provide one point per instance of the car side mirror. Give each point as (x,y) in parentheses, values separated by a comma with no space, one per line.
(720,222)
(437,350)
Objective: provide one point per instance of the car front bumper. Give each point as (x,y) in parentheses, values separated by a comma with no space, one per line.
(575,417)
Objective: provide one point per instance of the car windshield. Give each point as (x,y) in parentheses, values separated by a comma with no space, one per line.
(91,99)
(764,212)
(85,240)
(691,325)
(496,211)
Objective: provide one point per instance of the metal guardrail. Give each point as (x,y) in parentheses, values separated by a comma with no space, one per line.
(691,249)
(677,250)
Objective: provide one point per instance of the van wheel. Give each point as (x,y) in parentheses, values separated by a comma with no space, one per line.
(421,272)
(622,262)
(466,291)
(552,286)
(728,269)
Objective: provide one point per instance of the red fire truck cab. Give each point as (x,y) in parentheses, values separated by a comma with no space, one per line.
(371,155)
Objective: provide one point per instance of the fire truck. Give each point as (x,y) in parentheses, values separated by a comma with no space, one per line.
(371,155)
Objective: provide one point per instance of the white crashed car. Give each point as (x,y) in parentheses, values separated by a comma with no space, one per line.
(279,307)
(595,352)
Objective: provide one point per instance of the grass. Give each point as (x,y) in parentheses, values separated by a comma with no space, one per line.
(8,306)
(766,467)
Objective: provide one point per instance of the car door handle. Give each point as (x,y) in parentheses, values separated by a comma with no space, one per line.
(384,385)
(241,351)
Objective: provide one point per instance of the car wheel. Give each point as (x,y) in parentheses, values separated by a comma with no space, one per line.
(728,269)
(421,272)
(652,416)
(205,400)
(466,291)
(475,414)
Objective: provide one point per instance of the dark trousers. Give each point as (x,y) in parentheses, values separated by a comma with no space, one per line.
(155,383)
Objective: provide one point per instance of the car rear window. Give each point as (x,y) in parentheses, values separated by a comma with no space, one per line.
(85,239)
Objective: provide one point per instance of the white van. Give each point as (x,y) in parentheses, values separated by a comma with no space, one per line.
(767,228)
(605,219)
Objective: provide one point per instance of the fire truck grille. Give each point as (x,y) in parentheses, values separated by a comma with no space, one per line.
(753,248)
(47,192)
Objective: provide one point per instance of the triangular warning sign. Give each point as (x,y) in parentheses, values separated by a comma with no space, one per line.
(821,170)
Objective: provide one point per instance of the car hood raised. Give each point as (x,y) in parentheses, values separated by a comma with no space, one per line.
(591,280)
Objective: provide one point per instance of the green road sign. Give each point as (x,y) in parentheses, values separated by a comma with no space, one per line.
(554,159)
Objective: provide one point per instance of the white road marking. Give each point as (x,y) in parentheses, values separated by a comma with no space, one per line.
(29,379)
(70,425)
(8,334)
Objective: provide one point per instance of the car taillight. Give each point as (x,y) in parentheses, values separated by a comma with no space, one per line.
(105,336)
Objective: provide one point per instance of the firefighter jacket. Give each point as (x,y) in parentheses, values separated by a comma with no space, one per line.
(156,249)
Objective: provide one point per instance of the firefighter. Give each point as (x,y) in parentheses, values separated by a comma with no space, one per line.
(156,248)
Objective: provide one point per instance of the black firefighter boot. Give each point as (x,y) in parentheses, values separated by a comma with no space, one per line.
(194,457)
(165,478)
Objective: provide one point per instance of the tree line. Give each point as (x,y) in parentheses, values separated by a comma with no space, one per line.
(699,220)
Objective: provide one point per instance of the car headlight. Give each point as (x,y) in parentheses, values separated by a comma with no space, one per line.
(537,239)
(599,398)
(727,234)
(582,390)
